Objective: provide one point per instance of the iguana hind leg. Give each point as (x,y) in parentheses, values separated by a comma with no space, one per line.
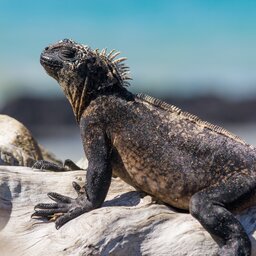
(211,207)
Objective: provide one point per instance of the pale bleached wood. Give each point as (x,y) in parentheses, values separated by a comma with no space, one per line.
(127,224)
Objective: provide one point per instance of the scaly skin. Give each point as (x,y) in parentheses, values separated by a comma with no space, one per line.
(157,148)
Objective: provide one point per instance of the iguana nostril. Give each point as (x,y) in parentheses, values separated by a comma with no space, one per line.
(46,48)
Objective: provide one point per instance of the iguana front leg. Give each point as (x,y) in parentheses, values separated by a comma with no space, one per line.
(98,178)
(68,165)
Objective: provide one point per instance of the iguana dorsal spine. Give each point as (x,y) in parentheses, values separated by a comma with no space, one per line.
(188,116)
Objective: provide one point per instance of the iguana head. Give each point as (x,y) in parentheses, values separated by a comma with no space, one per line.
(84,73)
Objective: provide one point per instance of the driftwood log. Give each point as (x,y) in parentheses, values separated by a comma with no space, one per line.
(129,223)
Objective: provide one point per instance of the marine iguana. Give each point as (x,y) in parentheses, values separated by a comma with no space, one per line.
(19,148)
(157,148)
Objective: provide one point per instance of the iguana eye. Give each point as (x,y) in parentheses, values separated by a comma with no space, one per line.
(67,54)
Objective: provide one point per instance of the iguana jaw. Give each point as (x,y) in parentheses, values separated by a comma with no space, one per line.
(50,65)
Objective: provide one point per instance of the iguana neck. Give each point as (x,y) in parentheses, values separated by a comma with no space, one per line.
(80,98)
(77,99)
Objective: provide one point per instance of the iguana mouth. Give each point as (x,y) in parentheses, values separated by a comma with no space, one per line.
(49,63)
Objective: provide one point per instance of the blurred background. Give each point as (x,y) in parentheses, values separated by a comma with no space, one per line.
(199,55)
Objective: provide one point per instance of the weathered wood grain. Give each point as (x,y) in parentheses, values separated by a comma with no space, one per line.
(127,224)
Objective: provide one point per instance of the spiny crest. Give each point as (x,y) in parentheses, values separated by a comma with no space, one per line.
(121,69)
(171,108)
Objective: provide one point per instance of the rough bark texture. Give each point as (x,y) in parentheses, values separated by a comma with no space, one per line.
(18,146)
(127,224)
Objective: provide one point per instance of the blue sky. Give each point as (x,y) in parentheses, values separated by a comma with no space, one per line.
(174,46)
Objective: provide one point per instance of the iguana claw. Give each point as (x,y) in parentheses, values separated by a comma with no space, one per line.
(65,208)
